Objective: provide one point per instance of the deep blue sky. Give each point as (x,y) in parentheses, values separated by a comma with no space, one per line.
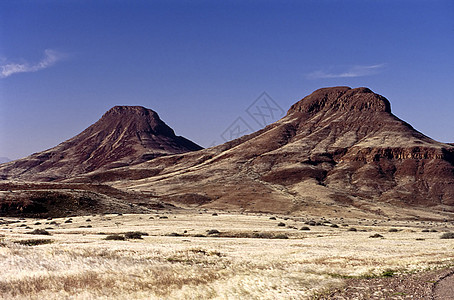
(200,64)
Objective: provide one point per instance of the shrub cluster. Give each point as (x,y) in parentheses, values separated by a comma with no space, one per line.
(447,235)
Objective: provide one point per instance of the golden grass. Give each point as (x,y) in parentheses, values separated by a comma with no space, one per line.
(80,264)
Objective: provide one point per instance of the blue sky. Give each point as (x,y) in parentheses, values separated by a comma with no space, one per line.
(201,64)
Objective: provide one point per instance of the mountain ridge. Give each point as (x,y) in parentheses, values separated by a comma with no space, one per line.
(338,150)
(358,152)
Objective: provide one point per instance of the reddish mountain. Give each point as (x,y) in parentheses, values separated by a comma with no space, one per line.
(336,149)
(337,152)
(124,136)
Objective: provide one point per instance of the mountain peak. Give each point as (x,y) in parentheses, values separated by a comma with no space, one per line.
(138,118)
(125,135)
(125,109)
(341,98)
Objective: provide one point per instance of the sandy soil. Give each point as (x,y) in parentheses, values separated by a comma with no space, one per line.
(436,285)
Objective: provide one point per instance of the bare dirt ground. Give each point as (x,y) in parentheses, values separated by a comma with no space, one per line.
(431,285)
(208,255)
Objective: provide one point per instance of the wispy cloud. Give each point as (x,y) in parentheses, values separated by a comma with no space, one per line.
(353,71)
(51,57)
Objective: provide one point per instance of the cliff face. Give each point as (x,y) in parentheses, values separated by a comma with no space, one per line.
(125,135)
(336,146)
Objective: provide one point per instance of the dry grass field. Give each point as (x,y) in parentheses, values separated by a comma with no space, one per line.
(198,255)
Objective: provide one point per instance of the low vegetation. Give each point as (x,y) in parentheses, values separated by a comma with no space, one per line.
(34,242)
(198,256)
(447,235)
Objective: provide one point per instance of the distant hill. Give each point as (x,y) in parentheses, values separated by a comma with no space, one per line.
(124,136)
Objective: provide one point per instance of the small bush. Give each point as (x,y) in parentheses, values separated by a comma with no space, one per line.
(163,217)
(272,218)
(447,235)
(352,229)
(214,214)
(280,236)
(305,228)
(393,230)
(174,234)
(334,226)
(262,235)
(34,242)
(115,237)
(68,221)
(433,230)
(377,235)
(425,230)
(39,231)
(388,273)
(213,231)
(137,235)
(199,235)
(281,224)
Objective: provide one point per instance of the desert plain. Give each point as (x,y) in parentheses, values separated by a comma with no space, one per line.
(202,254)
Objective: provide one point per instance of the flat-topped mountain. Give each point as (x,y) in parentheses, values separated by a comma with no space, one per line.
(124,136)
(338,152)
(338,147)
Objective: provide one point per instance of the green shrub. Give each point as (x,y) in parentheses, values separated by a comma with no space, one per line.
(352,229)
(388,273)
(281,224)
(305,228)
(393,230)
